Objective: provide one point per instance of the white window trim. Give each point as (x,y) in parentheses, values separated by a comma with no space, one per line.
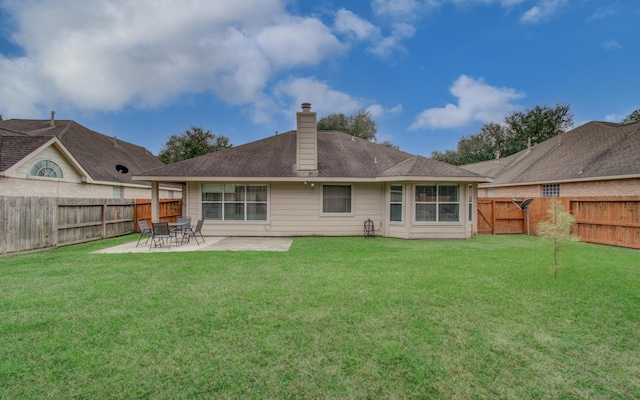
(460,220)
(245,202)
(334,215)
(402,203)
(49,164)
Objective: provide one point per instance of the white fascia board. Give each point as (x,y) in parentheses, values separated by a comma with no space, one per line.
(55,142)
(178,179)
(573,180)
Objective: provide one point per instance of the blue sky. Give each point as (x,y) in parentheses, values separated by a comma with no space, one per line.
(430,71)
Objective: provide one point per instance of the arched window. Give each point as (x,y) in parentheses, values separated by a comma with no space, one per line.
(47,169)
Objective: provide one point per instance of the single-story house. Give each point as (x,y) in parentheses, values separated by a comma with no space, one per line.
(595,159)
(49,158)
(305,182)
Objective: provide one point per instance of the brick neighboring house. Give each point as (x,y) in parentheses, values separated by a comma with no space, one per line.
(595,159)
(328,183)
(50,158)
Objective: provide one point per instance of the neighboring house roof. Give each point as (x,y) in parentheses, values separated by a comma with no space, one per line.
(98,154)
(339,156)
(593,151)
(15,148)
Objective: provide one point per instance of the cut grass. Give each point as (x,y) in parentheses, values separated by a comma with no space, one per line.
(331,318)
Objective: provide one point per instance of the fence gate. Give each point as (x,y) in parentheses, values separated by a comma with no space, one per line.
(500,216)
(485,217)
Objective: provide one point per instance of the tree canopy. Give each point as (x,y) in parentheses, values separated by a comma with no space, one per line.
(520,128)
(633,117)
(360,124)
(191,143)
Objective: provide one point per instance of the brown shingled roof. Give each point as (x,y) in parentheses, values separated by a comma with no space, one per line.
(97,153)
(15,148)
(593,150)
(339,156)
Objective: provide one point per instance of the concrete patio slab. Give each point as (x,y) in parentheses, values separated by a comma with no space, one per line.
(211,244)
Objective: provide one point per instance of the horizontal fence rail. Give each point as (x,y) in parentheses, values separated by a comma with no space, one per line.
(605,220)
(33,223)
(170,210)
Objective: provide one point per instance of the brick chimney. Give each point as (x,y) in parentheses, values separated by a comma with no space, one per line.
(307,139)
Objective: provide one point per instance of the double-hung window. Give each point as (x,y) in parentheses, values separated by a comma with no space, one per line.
(231,202)
(438,203)
(336,199)
(395,203)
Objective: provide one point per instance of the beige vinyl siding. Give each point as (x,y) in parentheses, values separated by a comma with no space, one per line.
(440,230)
(295,209)
(60,188)
(50,153)
(307,141)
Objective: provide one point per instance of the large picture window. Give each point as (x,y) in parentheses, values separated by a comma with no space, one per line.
(47,169)
(231,202)
(438,203)
(336,199)
(395,203)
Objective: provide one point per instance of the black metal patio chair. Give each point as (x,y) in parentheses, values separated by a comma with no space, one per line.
(145,230)
(162,235)
(194,233)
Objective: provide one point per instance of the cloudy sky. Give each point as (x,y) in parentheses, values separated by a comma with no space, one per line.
(429,71)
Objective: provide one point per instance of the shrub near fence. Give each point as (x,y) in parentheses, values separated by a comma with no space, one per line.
(604,220)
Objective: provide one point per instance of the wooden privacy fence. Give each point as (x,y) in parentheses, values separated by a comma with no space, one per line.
(605,220)
(30,223)
(170,210)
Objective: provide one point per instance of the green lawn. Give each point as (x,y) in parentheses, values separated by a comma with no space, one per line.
(331,318)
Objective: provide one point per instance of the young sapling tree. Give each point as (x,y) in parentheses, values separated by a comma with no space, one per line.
(557,227)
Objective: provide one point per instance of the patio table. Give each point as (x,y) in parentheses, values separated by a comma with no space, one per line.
(179,227)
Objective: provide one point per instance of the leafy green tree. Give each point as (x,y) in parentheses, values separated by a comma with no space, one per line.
(633,117)
(535,125)
(360,124)
(449,156)
(389,144)
(557,227)
(192,143)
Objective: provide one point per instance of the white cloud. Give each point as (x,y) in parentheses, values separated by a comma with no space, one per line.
(378,111)
(542,11)
(477,101)
(613,118)
(603,12)
(400,9)
(611,45)
(107,54)
(349,23)
(392,43)
(19,91)
(323,99)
